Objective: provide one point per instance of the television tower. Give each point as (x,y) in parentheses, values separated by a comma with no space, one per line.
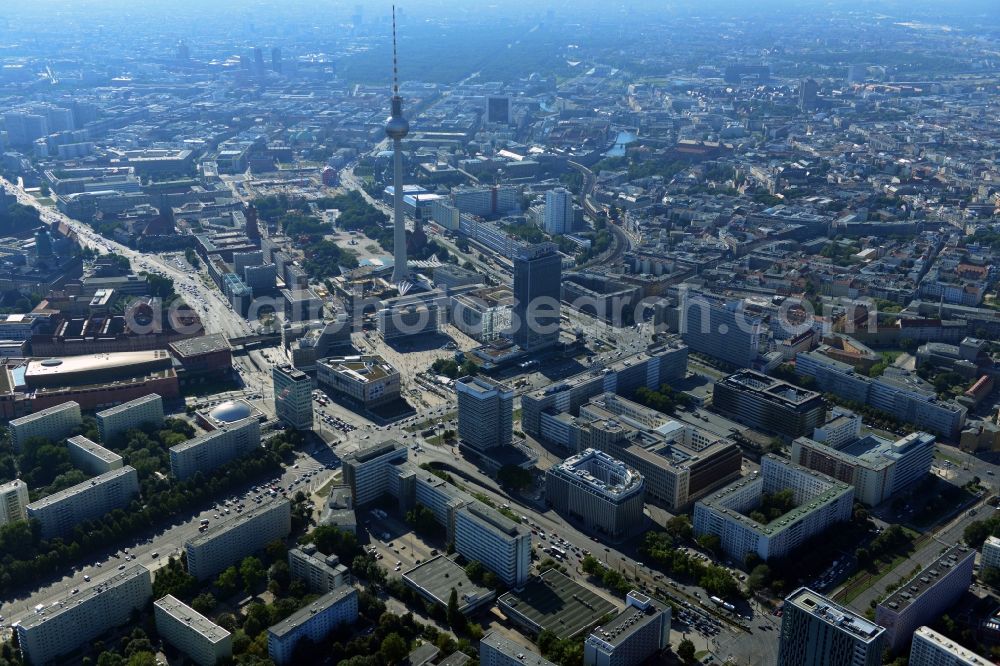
(396,127)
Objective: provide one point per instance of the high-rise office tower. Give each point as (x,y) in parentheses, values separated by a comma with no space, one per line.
(537,278)
(276,59)
(808,95)
(817,632)
(485,412)
(183,52)
(293,396)
(558,211)
(396,128)
(258,61)
(23,128)
(723,330)
(498,110)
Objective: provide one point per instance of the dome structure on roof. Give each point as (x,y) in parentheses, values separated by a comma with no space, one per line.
(231,411)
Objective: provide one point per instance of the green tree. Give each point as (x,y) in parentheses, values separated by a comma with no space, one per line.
(680,527)
(710,542)
(686,651)
(142,659)
(110,659)
(423,521)
(227,580)
(252,572)
(455,618)
(514,477)
(759,577)
(204,603)
(394,648)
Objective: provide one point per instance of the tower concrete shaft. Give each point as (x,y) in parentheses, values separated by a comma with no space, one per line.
(399,269)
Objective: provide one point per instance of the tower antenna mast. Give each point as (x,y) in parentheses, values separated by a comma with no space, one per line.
(396,128)
(395,67)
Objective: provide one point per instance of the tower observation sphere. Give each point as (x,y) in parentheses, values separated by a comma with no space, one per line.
(396,127)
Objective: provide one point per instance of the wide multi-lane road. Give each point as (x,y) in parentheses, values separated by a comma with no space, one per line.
(210,304)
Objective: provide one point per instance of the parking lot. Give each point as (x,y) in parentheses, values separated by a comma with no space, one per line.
(393,542)
(331,420)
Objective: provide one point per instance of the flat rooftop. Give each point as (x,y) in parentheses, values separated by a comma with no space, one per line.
(375,451)
(329,599)
(899,600)
(95,449)
(599,470)
(483,386)
(556,602)
(718,500)
(364,369)
(44,413)
(55,606)
(212,434)
(776,389)
(117,409)
(961,655)
(69,365)
(235,520)
(184,614)
(68,493)
(515,651)
(438,576)
(630,620)
(496,519)
(833,614)
(203,344)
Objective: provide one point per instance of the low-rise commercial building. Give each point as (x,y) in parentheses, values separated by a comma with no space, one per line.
(204,356)
(930,648)
(552,601)
(133,414)
(60,512)
(54,423)
(876,467)
(237,536)
(369,380)
(214,449)
(198,638)
(91,457)
(819,502)
(408,319)
(604,493)
(926,596)
(13,501)
(498,650)
(632,636)
(819,632)
(322,573)
(69,621)
(314,622)
(768,404)
(436,578)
